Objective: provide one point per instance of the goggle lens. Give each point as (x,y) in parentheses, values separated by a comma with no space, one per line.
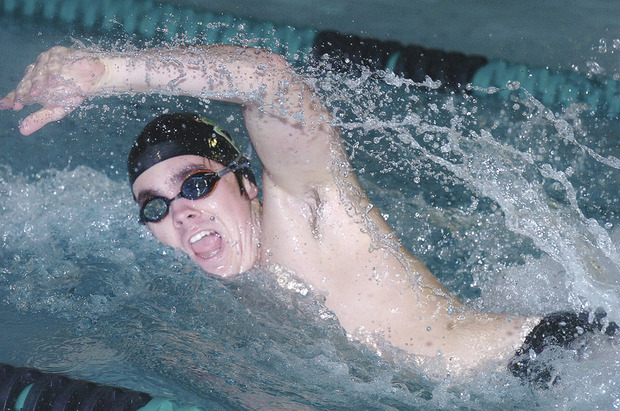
(199,185)
(154,210)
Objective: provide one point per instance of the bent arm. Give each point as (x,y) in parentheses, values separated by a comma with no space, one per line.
(287,124)
(291,131)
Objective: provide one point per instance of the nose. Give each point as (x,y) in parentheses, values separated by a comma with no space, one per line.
(183,211)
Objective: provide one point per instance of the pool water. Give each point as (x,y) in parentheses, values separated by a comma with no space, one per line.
(512,205)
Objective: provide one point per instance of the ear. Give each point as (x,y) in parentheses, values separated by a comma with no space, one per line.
(250,189)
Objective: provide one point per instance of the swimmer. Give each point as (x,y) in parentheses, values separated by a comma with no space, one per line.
(196,193)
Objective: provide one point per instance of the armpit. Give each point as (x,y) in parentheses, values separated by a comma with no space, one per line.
(312,210)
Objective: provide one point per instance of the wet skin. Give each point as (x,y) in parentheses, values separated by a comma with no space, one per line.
(218,232)
(314,221)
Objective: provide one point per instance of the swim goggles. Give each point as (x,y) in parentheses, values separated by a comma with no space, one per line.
(199,184)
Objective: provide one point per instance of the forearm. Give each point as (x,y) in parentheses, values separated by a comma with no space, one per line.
(228,73)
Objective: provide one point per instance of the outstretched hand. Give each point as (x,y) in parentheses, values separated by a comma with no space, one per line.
(60,81)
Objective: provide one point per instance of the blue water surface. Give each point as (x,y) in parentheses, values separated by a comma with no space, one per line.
(514,207)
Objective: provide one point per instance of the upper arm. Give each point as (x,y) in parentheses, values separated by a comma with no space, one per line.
(290,129)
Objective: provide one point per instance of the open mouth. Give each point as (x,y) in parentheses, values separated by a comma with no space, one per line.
(206,244)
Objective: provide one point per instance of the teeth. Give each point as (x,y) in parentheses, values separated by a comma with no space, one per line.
(201,235)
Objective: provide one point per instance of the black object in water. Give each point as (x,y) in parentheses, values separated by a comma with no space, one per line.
(29,389)
(454,70)
(558,329)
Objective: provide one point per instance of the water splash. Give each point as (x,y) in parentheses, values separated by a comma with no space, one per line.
(512,205)
(532,181)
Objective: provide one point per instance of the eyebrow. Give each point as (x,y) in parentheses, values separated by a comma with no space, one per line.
(146,194)
(175,179)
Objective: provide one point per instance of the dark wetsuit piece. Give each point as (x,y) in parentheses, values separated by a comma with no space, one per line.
(558,329)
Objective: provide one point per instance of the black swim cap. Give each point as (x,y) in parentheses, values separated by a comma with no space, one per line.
(173,135)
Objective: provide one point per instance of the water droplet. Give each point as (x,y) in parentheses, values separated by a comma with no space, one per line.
(513,85)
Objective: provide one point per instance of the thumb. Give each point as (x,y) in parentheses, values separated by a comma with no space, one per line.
(42,117)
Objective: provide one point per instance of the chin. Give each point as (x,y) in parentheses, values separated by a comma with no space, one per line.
(217,268)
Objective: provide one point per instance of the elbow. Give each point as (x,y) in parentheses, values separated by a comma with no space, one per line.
(269,58)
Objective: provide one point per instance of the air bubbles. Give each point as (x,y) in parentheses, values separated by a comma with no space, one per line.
(595,69)
(513,85)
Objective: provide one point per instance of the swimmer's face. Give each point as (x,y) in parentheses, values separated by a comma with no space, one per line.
(219,232)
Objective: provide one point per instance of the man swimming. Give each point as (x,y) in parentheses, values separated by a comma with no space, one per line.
(196,193)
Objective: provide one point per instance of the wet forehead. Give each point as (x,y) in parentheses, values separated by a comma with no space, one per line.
(165,178)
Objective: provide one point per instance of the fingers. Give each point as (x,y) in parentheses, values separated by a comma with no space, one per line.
(39,118)
(47,114)
(9,102)
(18,98)
(5,103)
(13,100)
(42,117)
(60,81)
